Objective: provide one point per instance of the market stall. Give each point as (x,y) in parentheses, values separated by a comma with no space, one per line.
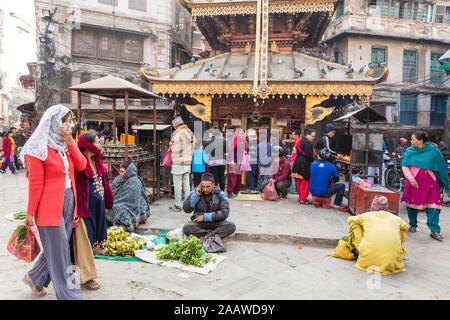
(115,88)
(367,151)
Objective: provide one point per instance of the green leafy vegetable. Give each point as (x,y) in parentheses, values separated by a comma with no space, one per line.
(21,233)
(189,251)
(20,215)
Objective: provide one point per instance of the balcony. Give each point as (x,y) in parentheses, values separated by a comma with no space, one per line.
(371,25)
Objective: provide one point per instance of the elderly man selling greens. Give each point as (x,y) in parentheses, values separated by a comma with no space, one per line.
(211,208)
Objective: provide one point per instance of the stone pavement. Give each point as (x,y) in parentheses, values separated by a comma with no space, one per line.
(252,270)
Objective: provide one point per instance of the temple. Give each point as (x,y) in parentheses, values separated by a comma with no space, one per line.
(267,67)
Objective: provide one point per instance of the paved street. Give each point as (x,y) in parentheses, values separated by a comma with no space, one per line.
(252,270)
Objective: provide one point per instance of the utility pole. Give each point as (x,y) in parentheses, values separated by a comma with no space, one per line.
(47,84)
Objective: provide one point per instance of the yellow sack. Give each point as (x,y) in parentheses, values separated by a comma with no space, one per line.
(343,251)
(378,237)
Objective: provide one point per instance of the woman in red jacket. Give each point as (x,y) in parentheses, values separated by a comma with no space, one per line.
(51,157)
(7,153)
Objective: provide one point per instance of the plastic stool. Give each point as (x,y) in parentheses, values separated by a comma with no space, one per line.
(321,202)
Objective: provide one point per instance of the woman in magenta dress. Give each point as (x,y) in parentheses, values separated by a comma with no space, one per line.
(426,172)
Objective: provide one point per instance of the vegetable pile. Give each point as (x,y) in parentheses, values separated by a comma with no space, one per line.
(189,251)
(20,215)
(120,242)
(21,233)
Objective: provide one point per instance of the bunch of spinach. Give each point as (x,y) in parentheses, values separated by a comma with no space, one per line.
(189,251)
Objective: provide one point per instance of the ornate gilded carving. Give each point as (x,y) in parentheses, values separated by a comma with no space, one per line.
(251,24)
(294,87)
(236,9)
(233,24)
(274,47)
(290,22)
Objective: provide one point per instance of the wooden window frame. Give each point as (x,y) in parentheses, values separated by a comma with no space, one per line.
(379,48)
(137,5)
(403,65)
(76,37)
(436,117)
(102,54)
(108,2)
(123,55)
(404,100)
(436,81)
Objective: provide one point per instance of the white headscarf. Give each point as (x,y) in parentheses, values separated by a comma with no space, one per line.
(46,134)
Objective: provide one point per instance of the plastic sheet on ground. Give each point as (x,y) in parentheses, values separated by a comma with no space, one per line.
(150,257)
(156,240)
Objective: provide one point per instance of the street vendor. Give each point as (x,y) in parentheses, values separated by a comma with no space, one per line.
(322,171)
(211,208)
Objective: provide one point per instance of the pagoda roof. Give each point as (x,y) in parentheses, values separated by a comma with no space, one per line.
(230,67)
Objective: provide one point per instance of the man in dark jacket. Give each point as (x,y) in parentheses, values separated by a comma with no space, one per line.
(326,142)
(19,139)
(211,209)
(216,147)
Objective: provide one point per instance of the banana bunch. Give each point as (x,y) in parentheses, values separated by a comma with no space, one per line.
(121,243)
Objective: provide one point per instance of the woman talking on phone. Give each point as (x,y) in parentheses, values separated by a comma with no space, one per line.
(51,157)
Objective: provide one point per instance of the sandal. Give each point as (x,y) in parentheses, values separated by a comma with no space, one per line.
(412,229)
(91,285)
(27,280)
(304,202)
(436,236)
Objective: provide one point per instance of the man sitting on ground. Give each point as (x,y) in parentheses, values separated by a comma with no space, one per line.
(321,173)
(281,176)
(211,208)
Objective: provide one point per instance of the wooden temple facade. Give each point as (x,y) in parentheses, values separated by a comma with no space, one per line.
(268,69)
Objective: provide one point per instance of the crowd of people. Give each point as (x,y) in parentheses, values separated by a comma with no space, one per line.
(69,186)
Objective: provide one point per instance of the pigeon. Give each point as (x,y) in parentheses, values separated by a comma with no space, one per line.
(323,71)
(327,58)
(244,71)
(361,70)
(317,54)
(226,76)
(350,64)
(303,50)
(349,70)
(178,65)
(300,73)
(280,61)
(330,68)
(192,59)
(370,65)
(209,68)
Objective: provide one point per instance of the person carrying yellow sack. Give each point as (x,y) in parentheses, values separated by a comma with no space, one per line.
(376,237)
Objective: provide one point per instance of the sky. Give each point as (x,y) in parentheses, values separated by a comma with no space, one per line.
(19,47)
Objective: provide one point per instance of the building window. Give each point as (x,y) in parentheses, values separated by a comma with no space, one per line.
(107,45)
(408,109)
(137,4)
(85,77)
(441,13)
(111,2)
(340,9)
(409,65)
(132,49)
(436,74)
(84,42)
(438,110)
(413,10)
(378,54)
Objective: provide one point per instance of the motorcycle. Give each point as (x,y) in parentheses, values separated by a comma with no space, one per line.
(393,176)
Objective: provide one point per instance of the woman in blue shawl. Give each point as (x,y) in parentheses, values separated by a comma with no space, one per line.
(131,204)
(426,173)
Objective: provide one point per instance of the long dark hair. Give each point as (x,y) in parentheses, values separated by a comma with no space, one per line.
(421,135)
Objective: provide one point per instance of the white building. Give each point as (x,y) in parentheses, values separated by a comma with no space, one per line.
(409,36)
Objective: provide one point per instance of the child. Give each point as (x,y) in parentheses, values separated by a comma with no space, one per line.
(199,160)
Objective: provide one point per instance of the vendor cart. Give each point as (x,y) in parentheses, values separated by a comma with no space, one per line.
(367,151)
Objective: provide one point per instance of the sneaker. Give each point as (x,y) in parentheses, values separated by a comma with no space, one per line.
(175,208)
(2,171)
(15,172)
